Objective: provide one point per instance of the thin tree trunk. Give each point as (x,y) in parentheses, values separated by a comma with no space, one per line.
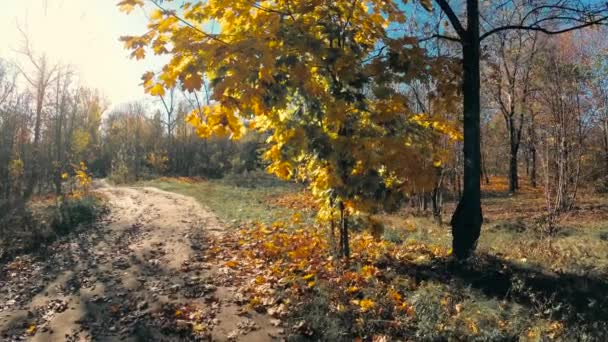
(34,174)
(533,175)
(344,243)
(513,176)
(484,170)
(436,198)
(605,138)
(59,156)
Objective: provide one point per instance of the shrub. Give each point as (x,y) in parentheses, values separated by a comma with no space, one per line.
(28,228)
(73,212)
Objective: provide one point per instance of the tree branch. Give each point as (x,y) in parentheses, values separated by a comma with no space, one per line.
(187,23)
(441,36)
(456,24)
(600,21)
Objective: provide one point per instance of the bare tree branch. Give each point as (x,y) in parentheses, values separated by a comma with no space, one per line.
(441,36)
(445,7)
(603,20)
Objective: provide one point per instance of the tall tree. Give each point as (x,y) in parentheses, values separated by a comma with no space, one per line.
(549,17)
(511,86)
(42,75)
(60,106)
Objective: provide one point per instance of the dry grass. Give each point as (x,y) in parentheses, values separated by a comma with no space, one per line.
(184,180)
(513,229)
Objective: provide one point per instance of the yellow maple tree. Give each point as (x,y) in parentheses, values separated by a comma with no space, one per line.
(323,79)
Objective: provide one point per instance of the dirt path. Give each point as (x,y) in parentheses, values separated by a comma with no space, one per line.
(139,275)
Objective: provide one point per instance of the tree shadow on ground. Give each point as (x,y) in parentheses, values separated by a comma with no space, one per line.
(115,295)
(143,308)
(574,298)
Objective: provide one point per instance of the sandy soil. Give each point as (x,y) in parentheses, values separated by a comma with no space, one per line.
(138,275)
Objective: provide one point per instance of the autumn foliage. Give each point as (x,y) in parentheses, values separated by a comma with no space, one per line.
(280,267)
(320,79)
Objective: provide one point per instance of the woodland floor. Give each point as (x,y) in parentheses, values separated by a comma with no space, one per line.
(138,275)
(173,261)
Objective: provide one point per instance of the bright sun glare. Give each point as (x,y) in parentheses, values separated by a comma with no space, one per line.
(83,34)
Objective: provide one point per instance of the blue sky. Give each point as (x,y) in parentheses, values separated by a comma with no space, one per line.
(84,34)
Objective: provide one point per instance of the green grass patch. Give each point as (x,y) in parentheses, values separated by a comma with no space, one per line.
(233,202)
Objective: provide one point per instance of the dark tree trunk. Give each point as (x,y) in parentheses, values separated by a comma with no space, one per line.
(513,177)
(59,157)
(344,245)
(514,141)
(332,231)
(424,200)
(436,200)
(533,166)
(467,219)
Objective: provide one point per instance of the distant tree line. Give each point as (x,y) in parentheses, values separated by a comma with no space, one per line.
(49,123)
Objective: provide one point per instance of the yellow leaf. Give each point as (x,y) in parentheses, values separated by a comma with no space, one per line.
(156,14)
(232,263)
(473,327)
(157,90)
(128,5)
(147,79)
(308,276)
(259,280)
(198,328)
(138,53)
(366,305)
(396,296)
(31,330)
(352,289)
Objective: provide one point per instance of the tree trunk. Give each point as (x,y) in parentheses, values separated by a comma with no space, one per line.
(424,201)
(605,138)
(513,150)
(458,184)
(436,202)
(33,176)
(533,166)
(513,177)
(59,157)
(484,170)
(59,107)
(467,219)
(344,245)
